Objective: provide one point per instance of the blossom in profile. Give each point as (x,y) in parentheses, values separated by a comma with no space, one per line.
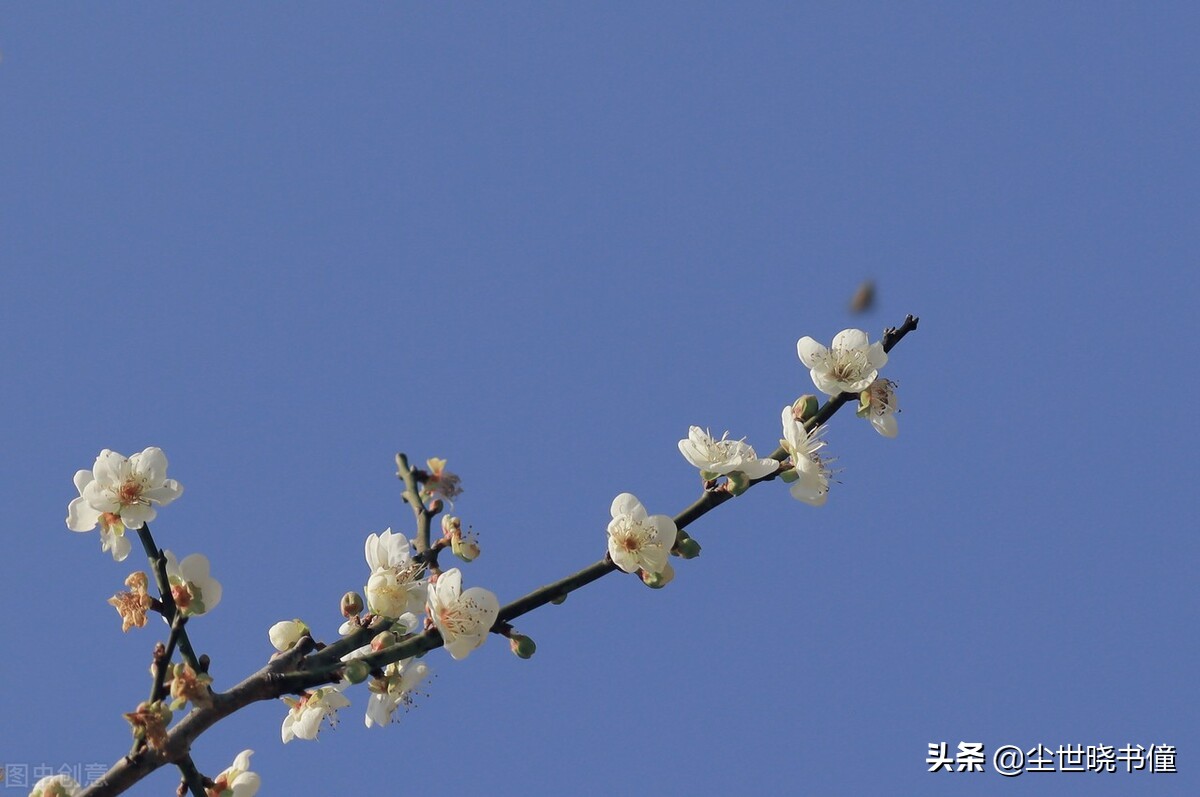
(849,365)
(120,493)
(286,633)
(55,786)
(464,618)
(878,404)
(393,690)
(303,720)
(194,590)
(722,457)
(396,585)
(441,483)
(812,483)
(238,780)
(637,541)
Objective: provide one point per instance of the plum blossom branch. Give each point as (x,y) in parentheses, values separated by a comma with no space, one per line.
(300,668)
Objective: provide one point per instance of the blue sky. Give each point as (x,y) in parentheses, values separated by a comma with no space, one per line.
(283,242)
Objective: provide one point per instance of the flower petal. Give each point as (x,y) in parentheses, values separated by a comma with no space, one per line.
(886,424)
(851,339)
(135,516)
(627,504)
(151,465)
(110,468)
(82,479)
(81,516)
(877,356)
(165,493)
(667,532)
(812,354)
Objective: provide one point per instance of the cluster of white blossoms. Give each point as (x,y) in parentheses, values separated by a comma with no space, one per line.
(850,365)
(397,590)
(120,493)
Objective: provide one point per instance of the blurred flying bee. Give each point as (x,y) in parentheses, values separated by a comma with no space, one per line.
(863,298)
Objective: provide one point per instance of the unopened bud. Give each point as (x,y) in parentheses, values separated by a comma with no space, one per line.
(382,641)
(560,600)
(658,580)
(357,671)
(687,548)
(805,407)
(522,645)
(450,524)
(738,482)
(435,506)
(352,604)
(285,634)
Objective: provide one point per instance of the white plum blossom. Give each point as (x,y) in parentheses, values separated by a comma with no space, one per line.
(849,366)
(54,786)
(812,484)
(286,633)
(395,585)
(464,618)
(305,715)
(119,493)
(637,540)
(400,678)
(238,780)
(878,403)
(721,457)
(194,590)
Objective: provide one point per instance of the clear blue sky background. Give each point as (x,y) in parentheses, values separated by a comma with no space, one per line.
(284,241)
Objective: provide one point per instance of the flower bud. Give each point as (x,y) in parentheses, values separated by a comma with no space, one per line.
(352,604)
(382,641)
(357,671)
(450,524)
(738,482)
(286,633)
(560,600)
(522,645)
(658,580)
(805,407)
(687,548)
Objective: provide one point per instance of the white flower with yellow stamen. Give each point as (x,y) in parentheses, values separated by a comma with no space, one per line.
(848,366)
(812,484)
(637,541)
(878,404)
(396,585)
(119,493)
(464,618)
(721,457)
